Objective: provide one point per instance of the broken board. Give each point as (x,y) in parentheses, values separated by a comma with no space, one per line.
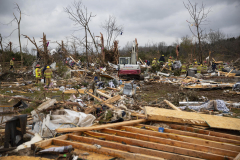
(213,121)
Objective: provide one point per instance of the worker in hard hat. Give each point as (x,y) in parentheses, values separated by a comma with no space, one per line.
(38,74)
(199,68)
(195,63)
(205,67)
(162,59)
(220,66)
(184,68)
(154,64)
(190,66)
(12,64)
(48,75)
(170,63)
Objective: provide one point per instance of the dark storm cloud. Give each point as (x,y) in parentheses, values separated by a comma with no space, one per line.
(147,20)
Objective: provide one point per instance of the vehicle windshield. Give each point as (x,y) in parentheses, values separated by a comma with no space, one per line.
(123,61)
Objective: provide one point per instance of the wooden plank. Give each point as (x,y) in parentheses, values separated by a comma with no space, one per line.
(237,157)
(105,150)
(79,129)
(229,73)
(207,137)
(113,99)
(161,114)
(171,142)
(100,100)
(103,94)
(206,132)
(129,148)
(158,146)
(171,105)
(48,142)
(184,138)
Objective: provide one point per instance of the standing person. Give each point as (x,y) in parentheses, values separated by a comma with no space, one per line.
(184,68)
(43,70)
(12,64)
(220,66)
(48,75)
(213,66)
(199,68)
(205,68)
(154,63)
(38,74)
(162,59)
(170,63)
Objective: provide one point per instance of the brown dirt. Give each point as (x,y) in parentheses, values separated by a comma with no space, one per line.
(12,77)
(152,91)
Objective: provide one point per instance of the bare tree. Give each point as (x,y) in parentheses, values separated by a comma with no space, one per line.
(18,21)
(80,16)
(215,36)
(199,16)
(112,30)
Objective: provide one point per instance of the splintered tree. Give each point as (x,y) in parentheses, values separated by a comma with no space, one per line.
(199,17)
(80,16)
(112,30)
(18,20)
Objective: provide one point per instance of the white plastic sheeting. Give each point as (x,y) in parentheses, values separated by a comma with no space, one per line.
(65,119)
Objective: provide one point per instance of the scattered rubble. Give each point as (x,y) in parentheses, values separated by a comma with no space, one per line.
(85,110)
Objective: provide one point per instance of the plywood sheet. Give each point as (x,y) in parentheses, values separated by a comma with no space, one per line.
(192,118)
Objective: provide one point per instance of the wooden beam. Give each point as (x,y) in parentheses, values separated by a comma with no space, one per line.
(100,100)
(129,148)
(103,94)
(113,99)
(48,142)
(158,146)
(203,136)
(183,138)
(171,142)
(79,129)
(171,105)
(237,157)
(105,150)
(206,132)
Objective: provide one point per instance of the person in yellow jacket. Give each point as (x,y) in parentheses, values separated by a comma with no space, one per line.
(184,68)
(190,65)
(170,63)
(48,75)
(154,64)
(199,68)
(205,67)
(38,73)
(12,64)
(220,66)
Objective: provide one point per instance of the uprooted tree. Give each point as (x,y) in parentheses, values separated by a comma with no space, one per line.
(199,16)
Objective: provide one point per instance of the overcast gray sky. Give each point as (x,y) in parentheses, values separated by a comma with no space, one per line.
(147,20)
